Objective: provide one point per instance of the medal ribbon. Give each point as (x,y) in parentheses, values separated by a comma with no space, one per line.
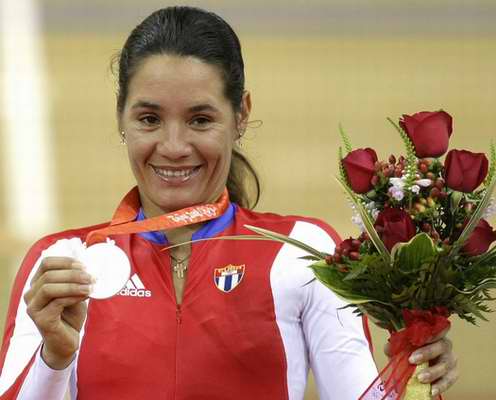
(123,219)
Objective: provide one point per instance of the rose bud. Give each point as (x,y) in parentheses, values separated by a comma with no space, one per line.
(468,207)
(420,207)
(423,168)
(395,226)
(355,243)
(435,192)
(329,259)
(360,167)
(337,258)
(375,180)
(354,255)
(426,227)
(440,183)
(464,171)
(392,159)
(480,239)
(429,132)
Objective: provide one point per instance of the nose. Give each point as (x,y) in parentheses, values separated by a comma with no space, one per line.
(174,142)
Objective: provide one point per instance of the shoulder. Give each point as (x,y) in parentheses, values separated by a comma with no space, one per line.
(292,225)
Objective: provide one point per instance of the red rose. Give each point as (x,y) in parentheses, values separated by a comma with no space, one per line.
(480,239)
(429,132)
(464,171)
(394,226)
(359,167)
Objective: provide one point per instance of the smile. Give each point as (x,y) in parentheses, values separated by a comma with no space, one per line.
(176,175)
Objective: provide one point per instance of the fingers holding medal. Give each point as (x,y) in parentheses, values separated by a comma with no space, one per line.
(56,304)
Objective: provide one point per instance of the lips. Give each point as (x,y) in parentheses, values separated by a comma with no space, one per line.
(178,175)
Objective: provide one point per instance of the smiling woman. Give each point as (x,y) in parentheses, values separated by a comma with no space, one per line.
(214,319)
(180,131)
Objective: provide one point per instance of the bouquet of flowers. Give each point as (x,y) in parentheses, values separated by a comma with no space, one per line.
(425,248)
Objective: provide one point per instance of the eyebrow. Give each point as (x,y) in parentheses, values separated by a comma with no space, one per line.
(146,104)
(203,107)
(155,106)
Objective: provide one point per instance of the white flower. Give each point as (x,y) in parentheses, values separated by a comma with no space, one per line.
(397,193)
(424,182)
(490,210)
(415,189)
(357,220)
(397,182)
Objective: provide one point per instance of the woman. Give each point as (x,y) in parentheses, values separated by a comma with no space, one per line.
(250,321)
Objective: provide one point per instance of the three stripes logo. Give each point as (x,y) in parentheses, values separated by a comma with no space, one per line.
(135,288)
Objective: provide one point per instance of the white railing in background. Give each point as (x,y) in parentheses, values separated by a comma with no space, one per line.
(26,141)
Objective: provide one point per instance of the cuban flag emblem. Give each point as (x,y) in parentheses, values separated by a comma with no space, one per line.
(227,278)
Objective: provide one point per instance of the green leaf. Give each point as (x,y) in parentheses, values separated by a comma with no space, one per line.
(413,254)
(492,168)
(489,283)
(346,140)
(356,271)
(310,258)
(455,199)
(475,218)
(332,279)
(278,237)
(368,223)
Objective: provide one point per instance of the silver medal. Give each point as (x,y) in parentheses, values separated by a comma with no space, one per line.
(110,267)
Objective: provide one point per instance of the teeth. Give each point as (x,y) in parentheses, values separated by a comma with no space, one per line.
(185,173)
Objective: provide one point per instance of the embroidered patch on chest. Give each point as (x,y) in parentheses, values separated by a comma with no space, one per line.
(228,277)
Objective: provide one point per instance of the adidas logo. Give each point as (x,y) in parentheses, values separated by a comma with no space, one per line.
(135,288)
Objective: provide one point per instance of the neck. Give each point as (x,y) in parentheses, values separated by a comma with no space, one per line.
(181,234)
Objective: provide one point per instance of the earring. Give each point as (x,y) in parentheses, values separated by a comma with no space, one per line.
(241,132)
(123,137)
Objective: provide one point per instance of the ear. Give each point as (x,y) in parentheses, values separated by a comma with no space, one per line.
(244,112)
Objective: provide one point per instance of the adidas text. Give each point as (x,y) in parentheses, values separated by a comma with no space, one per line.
(135,292)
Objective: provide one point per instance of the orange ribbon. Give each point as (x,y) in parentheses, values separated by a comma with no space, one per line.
(123,221)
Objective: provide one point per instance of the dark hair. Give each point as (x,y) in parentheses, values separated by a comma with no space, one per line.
(189,31)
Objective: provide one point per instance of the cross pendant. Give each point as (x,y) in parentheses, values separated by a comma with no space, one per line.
(179,269)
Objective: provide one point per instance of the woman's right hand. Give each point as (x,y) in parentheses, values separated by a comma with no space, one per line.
(55,302)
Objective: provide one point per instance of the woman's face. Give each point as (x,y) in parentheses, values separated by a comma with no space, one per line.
(180,130)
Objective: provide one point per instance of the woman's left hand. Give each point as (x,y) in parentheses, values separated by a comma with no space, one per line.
(443,370)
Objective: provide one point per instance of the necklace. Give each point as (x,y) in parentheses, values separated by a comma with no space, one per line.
(179,266)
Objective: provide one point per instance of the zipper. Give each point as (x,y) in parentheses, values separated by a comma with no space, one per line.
(178,314)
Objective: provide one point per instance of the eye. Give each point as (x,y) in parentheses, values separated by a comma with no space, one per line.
(149,120)
(201,122)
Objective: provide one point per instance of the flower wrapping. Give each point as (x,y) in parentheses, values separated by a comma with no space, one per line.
(396,377)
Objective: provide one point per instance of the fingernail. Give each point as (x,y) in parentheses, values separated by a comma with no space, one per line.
(87,278)
(78,264)
(85,288)
(434,391)
(423,377)
(415,358)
